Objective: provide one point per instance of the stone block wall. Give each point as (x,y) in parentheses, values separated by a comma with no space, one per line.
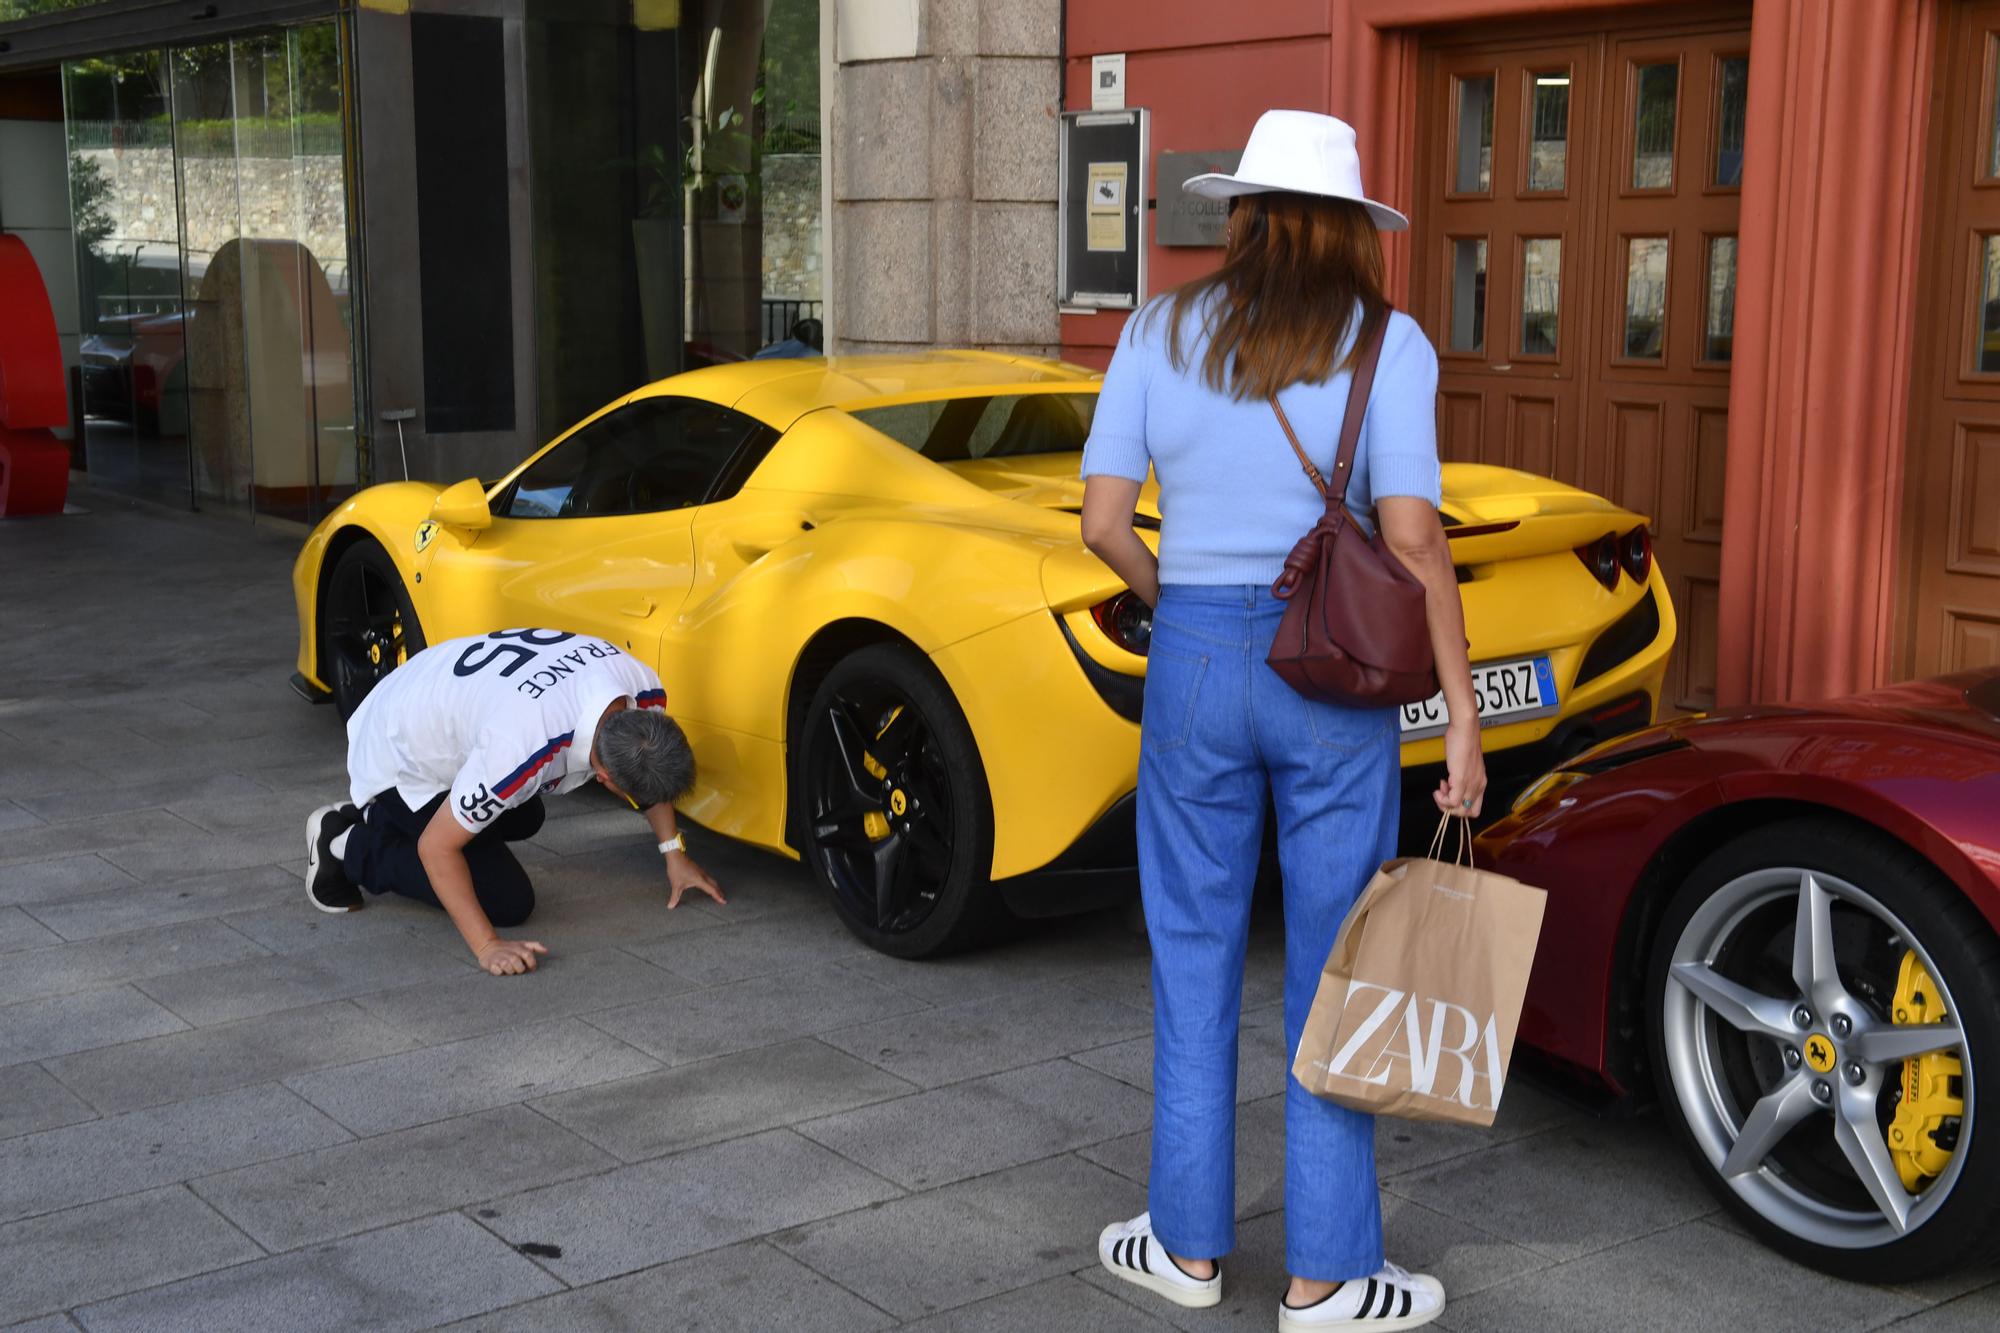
(791,226)
(944,177)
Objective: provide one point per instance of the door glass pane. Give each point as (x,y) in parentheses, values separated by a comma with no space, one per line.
(1993,112)
(1474,174)
(258,134)
(1732,83)
(1548,137)
(1658,87)
(126,223)
(1645,296)
(1988,359)
(1719,300)
(1541,295)
(1468,294)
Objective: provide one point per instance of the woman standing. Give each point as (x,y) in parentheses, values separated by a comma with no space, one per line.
(1188,395)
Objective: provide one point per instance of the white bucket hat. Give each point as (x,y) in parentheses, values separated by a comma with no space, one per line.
(1301,152)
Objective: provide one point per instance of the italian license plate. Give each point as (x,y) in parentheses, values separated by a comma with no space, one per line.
(1506,691)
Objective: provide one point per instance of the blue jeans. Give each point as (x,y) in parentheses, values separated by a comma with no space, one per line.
(1220,728)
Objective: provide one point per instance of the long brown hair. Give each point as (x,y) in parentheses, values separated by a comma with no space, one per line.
(1296,266)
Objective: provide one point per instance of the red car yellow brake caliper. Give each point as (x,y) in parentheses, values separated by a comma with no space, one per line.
(1932,1086)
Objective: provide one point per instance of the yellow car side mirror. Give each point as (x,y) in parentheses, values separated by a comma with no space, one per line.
(463,505)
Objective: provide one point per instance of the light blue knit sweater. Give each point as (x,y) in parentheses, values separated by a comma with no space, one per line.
(1233,499)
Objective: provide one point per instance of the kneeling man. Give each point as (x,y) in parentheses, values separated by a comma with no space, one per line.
(448,759)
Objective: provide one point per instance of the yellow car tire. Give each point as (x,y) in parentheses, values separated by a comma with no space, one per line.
(894,818)
(368,626)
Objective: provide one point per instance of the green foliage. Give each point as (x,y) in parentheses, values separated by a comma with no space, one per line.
(88,191)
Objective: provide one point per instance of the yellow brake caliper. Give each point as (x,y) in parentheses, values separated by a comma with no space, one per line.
(1933,1088)
(875,823)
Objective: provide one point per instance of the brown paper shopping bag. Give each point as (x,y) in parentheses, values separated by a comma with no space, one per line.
(1419,1001)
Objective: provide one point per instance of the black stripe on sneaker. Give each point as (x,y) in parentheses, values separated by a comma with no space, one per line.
(1118,1252)
(1406,1306)
(1143,1265)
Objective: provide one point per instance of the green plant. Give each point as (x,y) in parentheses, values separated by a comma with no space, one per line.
(88,191)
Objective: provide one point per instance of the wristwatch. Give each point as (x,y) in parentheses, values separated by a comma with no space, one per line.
(677,843)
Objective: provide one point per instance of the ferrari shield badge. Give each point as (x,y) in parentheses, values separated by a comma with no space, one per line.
(427,532)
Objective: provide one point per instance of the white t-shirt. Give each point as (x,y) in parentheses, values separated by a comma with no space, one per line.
(495,719)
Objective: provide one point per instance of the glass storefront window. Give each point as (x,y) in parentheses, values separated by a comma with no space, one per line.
(1719,299)
(125,217)
(1541,295)
(1645,297)
(1657,94)
(1548,139)
(1732,85)
(1474,96)
(25,9)
(1468,294)
(1993,112)
(208,192)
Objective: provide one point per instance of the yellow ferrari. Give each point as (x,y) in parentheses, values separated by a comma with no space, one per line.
(862,580)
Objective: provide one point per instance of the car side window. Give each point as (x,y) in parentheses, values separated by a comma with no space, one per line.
(647,457)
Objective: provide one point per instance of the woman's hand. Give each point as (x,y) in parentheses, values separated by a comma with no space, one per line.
(1463,790)
(1108,505)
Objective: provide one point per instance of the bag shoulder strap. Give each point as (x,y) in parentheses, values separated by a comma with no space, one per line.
(1350,425)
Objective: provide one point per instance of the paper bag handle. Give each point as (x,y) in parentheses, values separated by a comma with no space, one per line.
(1464,827)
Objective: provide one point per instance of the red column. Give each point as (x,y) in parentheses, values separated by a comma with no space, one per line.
(1825,307)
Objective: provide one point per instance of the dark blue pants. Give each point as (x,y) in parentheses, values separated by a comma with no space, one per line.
(381,855)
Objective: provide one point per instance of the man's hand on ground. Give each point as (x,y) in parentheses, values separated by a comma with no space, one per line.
(683,874)
(506,958)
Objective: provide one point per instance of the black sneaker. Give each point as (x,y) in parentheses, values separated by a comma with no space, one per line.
(326,883)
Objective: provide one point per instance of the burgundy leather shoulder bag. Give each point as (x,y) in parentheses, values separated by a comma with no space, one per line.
(1355,630)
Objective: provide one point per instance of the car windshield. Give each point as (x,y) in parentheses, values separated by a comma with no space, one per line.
(954,430)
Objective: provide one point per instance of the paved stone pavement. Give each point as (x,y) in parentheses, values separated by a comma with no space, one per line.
(220,1109)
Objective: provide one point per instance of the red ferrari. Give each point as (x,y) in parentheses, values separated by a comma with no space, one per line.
(1782,921)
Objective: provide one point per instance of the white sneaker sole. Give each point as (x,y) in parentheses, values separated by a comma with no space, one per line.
(1294,1321)
(1200,1298)
(313,823)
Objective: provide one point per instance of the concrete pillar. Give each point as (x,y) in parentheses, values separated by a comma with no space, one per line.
(944,174)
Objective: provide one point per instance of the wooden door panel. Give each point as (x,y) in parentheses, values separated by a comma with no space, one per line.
(1461,425)
(1953,487)
(1707,480)
(1974,542)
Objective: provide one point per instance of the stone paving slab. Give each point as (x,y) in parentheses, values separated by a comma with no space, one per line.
(413,1276)
(58,878)
(436,1082)
(60,1259)
(117,798)
(746,1286)
(101,1159)
(1059,1303)
(715,1099)
(18,930)
(952,1246)
(163,904)
(763,1011)
(984,1125)
(699,1200)
(469,1005)
(985,1036)
(336,972)
(31,1100)
(63,968)
(38,1029)
(370,1183)
(1260,1156)
(189,1064)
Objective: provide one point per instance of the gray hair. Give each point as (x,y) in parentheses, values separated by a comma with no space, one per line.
(646,754)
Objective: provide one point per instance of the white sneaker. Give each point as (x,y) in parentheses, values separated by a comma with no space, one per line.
(1131,1251)
(1393,1299)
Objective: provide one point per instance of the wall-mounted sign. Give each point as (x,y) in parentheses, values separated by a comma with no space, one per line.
(1101,264)
(1183,218)
(1107,83)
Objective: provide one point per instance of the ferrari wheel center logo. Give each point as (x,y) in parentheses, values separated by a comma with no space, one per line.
(1819,1053)
(898,803)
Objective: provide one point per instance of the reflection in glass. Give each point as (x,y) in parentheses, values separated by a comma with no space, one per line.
(257,135)
(1468,294)
(127,230)
(1658,88)
(1732,80)
(1475,135)
(1541,295)
(1993,114)
(1548,138)
(1645,296)
(1988,359)
(1719,320)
